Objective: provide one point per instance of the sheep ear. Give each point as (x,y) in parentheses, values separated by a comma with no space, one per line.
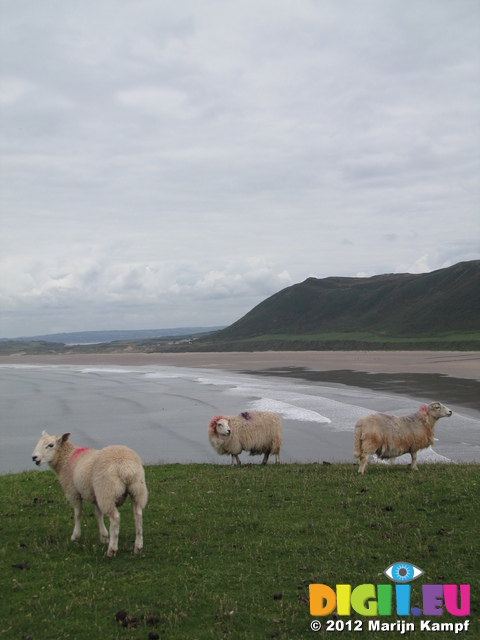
(44,433)
(65,437)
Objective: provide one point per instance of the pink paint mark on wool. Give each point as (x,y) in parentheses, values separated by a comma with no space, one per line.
(423,409)
(78,452)
(246,415)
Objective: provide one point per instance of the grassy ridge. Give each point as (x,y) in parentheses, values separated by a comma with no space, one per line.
(437,310)
(230,552)
(334,341)
(429,311)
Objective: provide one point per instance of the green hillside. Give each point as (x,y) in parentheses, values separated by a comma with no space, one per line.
(438,310)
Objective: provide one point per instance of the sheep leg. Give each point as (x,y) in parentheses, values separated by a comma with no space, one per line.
(236,459)
(101,525)
(114,531)
(414,461)
(277,458)
(265,457)
(363,463)
(77,512)
(137,516)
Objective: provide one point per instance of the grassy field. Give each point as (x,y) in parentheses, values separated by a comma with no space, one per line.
(230,552)
(328,341)
(371,337)
(338,341)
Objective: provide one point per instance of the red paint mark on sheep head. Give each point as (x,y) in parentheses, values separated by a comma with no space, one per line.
(213,423)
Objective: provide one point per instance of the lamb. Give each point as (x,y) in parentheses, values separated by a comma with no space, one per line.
(392,436)
(104,477)
(254,431)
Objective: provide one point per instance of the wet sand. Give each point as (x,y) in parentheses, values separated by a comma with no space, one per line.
(113,402)
(458,364)
(452,377)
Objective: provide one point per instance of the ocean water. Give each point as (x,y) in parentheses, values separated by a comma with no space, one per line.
(163,412)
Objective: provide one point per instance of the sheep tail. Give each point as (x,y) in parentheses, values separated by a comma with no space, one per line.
(137,491)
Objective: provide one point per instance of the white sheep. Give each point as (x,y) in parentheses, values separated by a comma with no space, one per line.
(104,477)
(254,431)
(391,436)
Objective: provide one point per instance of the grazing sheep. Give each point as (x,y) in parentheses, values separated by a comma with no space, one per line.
(104,477)
(392,436)
(254,431)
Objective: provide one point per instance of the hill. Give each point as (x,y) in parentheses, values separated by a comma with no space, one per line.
(92,337)
(435,310)
(102,342)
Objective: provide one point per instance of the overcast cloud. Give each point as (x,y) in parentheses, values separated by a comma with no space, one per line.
(175,163)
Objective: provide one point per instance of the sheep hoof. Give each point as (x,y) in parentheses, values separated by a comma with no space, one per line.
(111,553)
(137,550)
(104,539)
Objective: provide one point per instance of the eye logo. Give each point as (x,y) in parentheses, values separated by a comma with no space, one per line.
(403,572)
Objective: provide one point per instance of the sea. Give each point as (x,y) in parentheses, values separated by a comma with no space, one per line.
(163,412)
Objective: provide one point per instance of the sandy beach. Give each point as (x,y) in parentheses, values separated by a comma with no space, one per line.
(458,364)
(161,404)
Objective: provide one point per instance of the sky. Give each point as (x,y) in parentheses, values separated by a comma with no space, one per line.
(175,163)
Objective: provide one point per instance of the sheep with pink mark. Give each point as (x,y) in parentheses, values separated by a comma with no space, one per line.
(254,431)
(103,477)
(392,436)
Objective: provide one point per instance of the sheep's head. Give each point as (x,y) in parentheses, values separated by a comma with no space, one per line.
(436,410)
(220,426)
(47,447)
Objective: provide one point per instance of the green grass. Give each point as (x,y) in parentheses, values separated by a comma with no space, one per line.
(326,341)
(222,544)
(335,341)
(367,337)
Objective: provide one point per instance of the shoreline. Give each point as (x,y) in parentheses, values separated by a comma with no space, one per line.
(136,398)
(457,364)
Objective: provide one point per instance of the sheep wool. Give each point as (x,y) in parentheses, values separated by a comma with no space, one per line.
(254,431)
(104,477)
(392,436)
